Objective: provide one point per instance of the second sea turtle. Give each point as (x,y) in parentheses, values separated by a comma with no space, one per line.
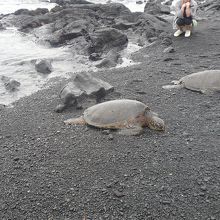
(203,81)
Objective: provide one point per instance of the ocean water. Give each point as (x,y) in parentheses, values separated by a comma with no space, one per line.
(10,6)
(16,62)
(17,52)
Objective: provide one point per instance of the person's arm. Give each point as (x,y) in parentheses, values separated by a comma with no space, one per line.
(178,7)
(183,8)
(188,9)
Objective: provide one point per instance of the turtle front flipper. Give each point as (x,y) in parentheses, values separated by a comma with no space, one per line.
(131,131)
(75,121)
(208,92)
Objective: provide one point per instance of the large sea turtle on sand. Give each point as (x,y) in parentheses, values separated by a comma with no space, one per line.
(128,116)
(204,81)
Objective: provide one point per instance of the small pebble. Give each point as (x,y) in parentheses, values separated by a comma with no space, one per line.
(16,159)
(168,59)
(203,188)
(206,179)
(118,194)
(110,137)
(107,132)
(169,50)
(166,202)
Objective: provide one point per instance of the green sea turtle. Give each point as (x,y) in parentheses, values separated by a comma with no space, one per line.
(204,81)
(129,116)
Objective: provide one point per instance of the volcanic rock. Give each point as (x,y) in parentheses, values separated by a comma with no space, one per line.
(83,86)
(10,84)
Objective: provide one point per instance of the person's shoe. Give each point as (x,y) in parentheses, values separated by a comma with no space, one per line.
(178,33)
(187,33)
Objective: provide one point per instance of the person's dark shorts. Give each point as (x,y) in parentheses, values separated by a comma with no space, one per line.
(184,21)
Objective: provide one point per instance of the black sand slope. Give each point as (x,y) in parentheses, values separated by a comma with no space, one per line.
(52,171)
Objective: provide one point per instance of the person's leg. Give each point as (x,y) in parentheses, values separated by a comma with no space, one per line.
(179,25)
(188,21)
(188,26)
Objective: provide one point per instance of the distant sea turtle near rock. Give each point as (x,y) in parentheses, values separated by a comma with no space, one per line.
(204,81)
(128,116)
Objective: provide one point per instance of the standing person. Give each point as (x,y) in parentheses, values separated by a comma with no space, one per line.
(185,11)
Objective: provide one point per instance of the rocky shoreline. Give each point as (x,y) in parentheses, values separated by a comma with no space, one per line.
(89,29)
(53,171)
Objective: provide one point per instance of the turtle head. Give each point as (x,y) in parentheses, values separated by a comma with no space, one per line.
(154,122)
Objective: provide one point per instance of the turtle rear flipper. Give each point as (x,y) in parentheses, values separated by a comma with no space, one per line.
(177,84)
(131,131)
(75,121)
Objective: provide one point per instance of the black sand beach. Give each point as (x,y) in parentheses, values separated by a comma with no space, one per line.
(53,171)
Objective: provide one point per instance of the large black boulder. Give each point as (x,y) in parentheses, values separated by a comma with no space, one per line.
(111,60)
(26,20)
(211,7)
(1,26)
(38,11)
(156,8)
(111,10)
(151,26)
(72,30)
(105,39)
(83,86)
(43,66)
